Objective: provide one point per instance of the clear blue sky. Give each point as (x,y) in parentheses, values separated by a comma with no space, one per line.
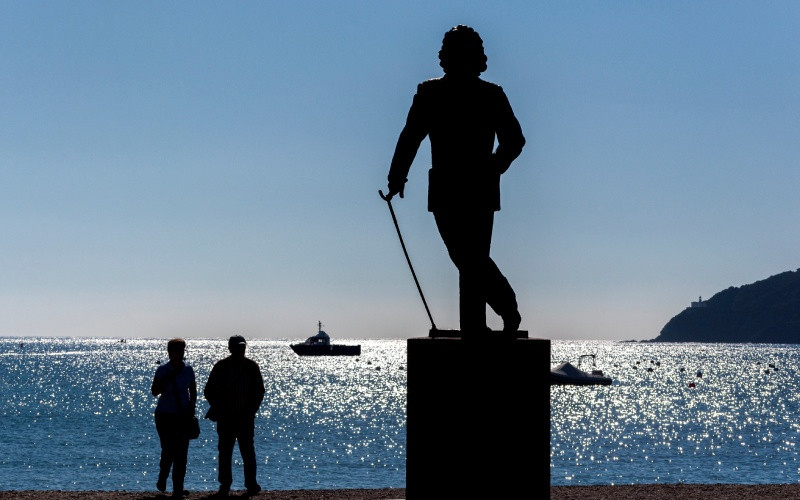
(209,168)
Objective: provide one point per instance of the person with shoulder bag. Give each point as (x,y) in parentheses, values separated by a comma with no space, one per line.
(174,384)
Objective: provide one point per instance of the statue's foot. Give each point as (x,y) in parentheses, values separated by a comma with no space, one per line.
(476,333)
(511,321)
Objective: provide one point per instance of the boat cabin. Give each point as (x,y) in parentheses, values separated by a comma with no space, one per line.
(320,338)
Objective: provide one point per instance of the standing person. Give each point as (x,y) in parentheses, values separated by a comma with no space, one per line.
(234,391)
(176,388)
(462,115)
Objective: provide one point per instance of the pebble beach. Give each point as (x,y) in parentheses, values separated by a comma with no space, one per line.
(682,491)
(626,492)
(344,494)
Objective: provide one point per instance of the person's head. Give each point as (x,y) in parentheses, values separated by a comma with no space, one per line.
(237,345)
(462,52)
(176,349)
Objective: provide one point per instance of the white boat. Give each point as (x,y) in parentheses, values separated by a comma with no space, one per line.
(569,374)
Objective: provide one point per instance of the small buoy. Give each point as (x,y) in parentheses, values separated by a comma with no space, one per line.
(699,373)
(692,384)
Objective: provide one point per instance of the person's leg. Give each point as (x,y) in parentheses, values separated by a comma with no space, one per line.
(179,467)
(165,436)
(227,438)
(248,451)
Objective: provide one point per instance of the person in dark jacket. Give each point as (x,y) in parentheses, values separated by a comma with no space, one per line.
(234,391)
(175,386)
(463,115)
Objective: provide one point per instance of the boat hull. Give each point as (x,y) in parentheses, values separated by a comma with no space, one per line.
(558,379)
(326,350)
(567,374)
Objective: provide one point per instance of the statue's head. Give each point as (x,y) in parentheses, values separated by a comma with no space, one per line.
(462,52)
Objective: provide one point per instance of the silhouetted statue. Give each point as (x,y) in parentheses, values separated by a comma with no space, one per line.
(462,115)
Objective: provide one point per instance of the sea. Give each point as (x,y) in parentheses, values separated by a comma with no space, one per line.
(77,414)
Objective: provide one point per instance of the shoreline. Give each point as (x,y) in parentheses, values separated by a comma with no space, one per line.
(340,494)
(682,491)
(604,492)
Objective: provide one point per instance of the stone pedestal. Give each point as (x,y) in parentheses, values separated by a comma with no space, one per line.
(478,418)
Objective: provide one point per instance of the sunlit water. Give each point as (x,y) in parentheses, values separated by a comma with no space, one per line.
(77,414)
(740,423)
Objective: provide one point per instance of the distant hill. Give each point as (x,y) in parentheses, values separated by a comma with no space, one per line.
(767,311)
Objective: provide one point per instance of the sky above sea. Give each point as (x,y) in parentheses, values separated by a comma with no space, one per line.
(200,169)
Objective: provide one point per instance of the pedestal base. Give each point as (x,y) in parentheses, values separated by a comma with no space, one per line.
(478,418)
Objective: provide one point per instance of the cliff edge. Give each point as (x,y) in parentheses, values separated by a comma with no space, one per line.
(767,311)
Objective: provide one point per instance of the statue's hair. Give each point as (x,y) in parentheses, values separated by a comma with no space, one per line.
(462,52)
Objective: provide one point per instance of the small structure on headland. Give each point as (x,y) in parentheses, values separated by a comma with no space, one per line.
(699,303)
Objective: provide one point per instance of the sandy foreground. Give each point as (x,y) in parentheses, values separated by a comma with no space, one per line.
(626,492)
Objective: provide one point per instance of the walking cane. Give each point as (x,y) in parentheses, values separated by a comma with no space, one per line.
(394,218)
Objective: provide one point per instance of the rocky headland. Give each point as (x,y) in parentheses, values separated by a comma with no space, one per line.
(767,311)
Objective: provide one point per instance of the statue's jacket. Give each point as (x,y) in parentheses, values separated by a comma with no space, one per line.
(462,116)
